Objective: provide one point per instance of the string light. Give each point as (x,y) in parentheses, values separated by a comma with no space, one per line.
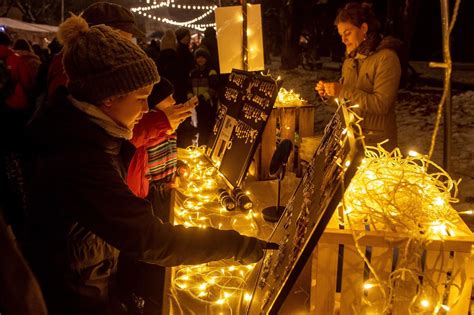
(215,283)
(396,193)
(288,98)
(143,10)
(171,4)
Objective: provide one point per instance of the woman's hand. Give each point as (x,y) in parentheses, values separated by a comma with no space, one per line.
(332,89)
(326,89)
(320,89)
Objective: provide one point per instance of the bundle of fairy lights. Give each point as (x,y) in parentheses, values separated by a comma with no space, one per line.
(289,99)
(409,196)
(214,283)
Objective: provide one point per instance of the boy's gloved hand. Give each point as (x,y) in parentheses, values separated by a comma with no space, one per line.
(251,250)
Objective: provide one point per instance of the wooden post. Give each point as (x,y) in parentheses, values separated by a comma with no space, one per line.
(447,85)
(245,51)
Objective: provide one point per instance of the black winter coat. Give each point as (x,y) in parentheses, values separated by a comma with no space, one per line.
(83,214)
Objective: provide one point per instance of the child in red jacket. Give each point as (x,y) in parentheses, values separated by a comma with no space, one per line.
(152,170)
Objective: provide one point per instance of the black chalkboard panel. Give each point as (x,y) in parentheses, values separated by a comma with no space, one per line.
(247,100)
(307,213)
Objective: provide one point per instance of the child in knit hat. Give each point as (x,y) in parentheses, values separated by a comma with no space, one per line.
(204,82)
(82,213)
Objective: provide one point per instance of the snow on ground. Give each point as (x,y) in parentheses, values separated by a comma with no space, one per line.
(416,112)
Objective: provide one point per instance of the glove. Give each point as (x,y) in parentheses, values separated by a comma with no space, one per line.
(251,250)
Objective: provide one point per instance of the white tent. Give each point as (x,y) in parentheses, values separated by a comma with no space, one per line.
(35,33)
(28,27)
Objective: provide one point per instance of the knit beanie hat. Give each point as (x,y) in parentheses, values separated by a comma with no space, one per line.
(160,91)
(168,41)
(113,15)
(181,33)
(202,51)
(100,63)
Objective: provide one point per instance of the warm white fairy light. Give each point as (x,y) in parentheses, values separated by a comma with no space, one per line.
(288,99)
(218,282)
(396,193)
(169,4)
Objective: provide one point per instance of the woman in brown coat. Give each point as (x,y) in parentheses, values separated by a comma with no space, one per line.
(370,74)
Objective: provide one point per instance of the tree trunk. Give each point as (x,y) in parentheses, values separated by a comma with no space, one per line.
(290,14)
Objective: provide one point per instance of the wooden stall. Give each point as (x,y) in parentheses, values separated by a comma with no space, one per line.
(291,123)
(448,263)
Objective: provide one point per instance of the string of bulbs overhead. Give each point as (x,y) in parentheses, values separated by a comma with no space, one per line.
(144,11)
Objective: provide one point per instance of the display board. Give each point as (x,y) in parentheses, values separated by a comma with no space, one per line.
(246,104)
(307,213)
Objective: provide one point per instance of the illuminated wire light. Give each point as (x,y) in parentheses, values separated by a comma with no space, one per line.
(395,193)
(215,283)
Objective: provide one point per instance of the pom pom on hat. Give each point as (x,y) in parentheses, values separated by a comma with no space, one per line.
(72,29)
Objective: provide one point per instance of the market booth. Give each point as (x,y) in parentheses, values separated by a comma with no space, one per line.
(362,232)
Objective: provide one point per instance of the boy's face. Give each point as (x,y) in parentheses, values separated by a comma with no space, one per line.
(167,102)
(201,61)
(129,109)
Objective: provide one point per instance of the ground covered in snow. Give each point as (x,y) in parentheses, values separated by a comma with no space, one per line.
(416,112)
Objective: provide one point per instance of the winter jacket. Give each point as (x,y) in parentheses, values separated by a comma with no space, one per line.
(56,75)
(185,61)
(151,131)
(83,214)
(24,68)
(372,82)
(168,65)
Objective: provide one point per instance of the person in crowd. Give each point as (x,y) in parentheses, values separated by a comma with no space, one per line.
(23,66)
(19,290)
(370,73)
(31,63)
(17,77)
(210,42)
(168,60)
(153,50)
(187,131)
(111,14)
(82,212)
(204,81)
(151,175)
(54,48)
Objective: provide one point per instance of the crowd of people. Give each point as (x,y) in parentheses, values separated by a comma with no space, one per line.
(90,162)
(89,156)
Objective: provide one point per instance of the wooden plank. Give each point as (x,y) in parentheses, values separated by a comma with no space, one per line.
(460,300)
(438,263)
(267,146)
(306,121)
(287,125)
(323,279)
(352,281)
(381,261)
(390,239)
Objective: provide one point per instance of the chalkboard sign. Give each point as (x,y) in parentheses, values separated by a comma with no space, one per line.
(247,102)
(307,213)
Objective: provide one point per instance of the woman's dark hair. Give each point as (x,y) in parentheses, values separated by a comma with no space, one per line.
(357,14)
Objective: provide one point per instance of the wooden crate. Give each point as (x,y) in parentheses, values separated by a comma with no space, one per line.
(299,118)
(454,252)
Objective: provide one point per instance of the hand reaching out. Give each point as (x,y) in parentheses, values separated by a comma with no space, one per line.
(176,114)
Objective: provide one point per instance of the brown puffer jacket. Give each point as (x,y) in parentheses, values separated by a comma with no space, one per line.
(372,82)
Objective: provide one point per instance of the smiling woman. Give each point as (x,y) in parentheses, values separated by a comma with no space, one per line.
(370,74)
